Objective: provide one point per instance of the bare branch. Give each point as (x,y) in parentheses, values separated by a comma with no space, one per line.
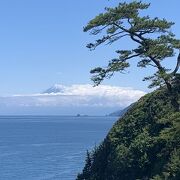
(136,40)
(146,32)
(152,65)
(135,55)
(110,36)
(129,22)
(97,31)
(177,65)
(116,38)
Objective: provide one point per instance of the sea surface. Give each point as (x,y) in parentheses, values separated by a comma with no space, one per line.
(48,147)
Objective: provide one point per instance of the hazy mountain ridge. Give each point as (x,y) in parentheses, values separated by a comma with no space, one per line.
(70,100)
(121,112)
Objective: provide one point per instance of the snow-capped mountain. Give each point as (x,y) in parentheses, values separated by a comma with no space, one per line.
(71,100)
(57,88)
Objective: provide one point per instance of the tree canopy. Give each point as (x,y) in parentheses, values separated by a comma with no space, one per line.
(144,144)
(153,37)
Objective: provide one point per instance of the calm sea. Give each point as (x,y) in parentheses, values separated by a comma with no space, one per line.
(48,147)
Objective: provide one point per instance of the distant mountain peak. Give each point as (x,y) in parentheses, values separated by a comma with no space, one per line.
(57,88)
(120,113)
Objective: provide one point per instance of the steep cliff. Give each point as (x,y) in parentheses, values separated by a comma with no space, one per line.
(143,144)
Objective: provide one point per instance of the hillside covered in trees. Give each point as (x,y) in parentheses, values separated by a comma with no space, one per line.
(143,144)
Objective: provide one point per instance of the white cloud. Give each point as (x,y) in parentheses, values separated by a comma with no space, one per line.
(78,96)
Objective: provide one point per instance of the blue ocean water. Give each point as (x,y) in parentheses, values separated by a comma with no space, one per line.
(48,147)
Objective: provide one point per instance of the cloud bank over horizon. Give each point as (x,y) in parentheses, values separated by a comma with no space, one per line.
(78,96)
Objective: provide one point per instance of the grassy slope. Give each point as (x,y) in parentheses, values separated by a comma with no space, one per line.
(143,144)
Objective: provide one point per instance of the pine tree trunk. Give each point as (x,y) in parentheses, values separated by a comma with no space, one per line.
(174,96)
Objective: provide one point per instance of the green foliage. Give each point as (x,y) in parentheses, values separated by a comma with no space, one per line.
(143,144)
(87,168)
(153,36)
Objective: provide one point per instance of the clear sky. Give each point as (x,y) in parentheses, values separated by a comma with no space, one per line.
(42,43)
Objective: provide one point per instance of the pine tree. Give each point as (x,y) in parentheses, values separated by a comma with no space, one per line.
(153,38)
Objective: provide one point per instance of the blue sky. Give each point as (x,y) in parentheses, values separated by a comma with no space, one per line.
(42,43)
